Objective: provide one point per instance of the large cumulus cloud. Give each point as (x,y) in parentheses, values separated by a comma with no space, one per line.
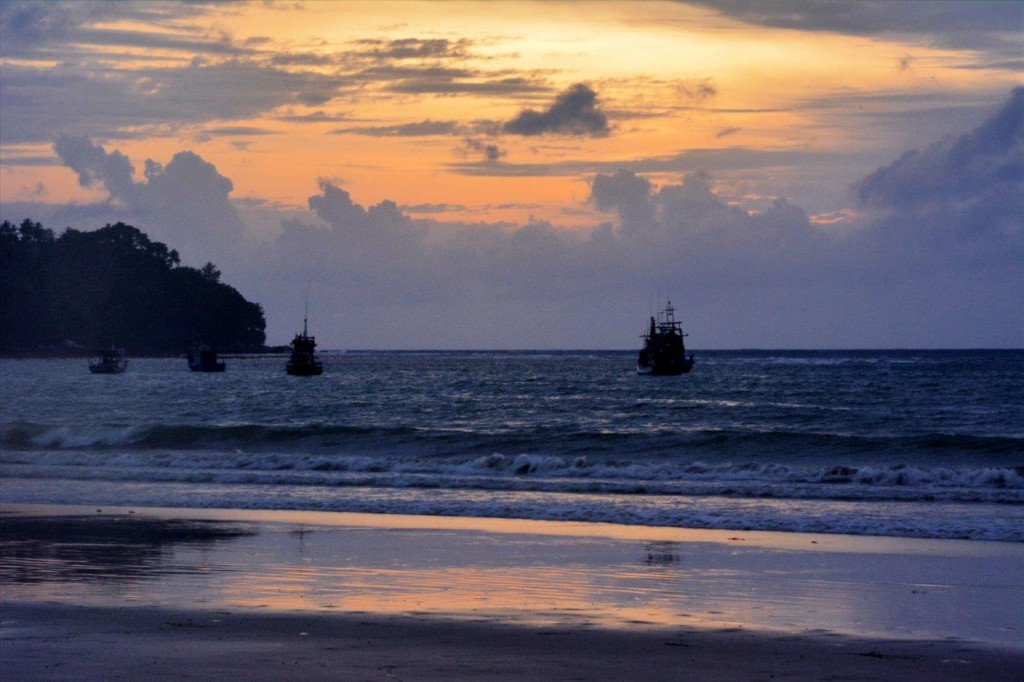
(185,203)
(958,200)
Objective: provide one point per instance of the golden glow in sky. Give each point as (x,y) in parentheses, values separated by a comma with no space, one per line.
(669,78)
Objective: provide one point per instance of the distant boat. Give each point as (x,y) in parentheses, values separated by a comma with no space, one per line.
(664,351)
(204,359)
(110,361)
(303,361)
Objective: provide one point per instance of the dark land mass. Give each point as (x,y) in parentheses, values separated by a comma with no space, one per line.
(72,294)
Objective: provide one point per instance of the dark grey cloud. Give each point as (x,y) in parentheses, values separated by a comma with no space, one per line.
(628,194)
(184,203)
(382,223)
(97,88)
(488,151)
(994,29)
(33,27)
(725,132)
(687,161)
(94,165)
(400,73)
(420,209)
(477,83)
(986,161)
(306,59)
(867,17)
(237,131)
(425,128)
(961,197)
(574,112)
(30,161)
(415,48)
(486,168)
(34,104)
(313,117)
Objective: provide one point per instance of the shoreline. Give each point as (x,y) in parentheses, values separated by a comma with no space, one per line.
(45,641)
(98,592)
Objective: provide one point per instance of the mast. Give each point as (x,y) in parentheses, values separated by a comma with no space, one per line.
(305,313)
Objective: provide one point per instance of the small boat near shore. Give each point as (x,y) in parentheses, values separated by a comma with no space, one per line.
(110,361)
(664,351)
(303,361)
(204,359)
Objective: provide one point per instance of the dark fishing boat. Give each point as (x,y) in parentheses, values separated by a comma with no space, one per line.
(204,359)
(111,361)
(303,361)
(664,351)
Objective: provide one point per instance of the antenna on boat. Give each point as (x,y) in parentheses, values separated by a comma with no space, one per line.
(305,313)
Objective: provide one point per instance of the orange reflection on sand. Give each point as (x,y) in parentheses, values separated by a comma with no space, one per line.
(533,595)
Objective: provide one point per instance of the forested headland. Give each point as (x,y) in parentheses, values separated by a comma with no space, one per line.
(86,290)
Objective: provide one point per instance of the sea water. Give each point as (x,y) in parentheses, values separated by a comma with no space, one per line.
(923,444)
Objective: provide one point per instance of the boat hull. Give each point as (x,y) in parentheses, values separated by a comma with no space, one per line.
(665,369)
(215,367)
(304,370)
(104,369)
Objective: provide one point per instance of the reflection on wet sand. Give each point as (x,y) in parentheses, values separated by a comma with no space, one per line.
(436,567)
(661,553)
(104,548)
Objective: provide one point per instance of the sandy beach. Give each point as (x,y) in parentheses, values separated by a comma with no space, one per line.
(157,593)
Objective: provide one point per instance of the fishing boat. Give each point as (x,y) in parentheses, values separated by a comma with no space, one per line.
(204,359)
(110,361)
(664,351)
(303,361)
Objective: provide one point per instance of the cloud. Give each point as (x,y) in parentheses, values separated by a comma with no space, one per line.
(469,83)
(184,203)
(382,224)
(627,194)
(699,91)
(489,151)
(313,117)
(32,27)
(958,202)
(972,167)
(425,128)
(432,208)
(34,103)
(416,48)
(686,161)
(935,259)
(948,20)
(93,165)
(989,30)
(574,112)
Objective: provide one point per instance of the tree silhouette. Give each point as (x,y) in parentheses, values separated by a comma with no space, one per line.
(114,285)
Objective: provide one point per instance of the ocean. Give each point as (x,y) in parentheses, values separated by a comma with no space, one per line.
(925,444)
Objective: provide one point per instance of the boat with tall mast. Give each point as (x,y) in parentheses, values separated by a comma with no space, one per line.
(303,361)
(664,351)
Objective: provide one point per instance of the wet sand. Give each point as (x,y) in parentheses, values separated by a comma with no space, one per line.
(150,594)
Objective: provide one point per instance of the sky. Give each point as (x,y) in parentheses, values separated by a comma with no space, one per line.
(545,175)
